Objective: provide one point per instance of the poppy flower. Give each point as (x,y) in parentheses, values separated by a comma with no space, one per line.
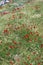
(30,64)
(11,47)
(25,63)
(38,63)
(41,46)
(14,42)
(5,13)
(37,33)
(28,57)
(34,53)
(26,36)
(11,62)
(6,31)
(18,27)
(18,8)
(31,33)
(35,39)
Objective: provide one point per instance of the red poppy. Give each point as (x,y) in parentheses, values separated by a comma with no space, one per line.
(37,33)
(31,33)
(41,46)
(11,62)
(14,42)
(18,27)
(34,52)
(26,36)
(38,63)
(11,47)
(35,39)
(30,64)
(6,31)
(5,13)
(28,57)
(25,63)
(18,8)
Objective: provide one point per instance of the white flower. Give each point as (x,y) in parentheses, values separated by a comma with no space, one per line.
(16,4)
(7,0)
(36,16)
(2,3)
(16,57)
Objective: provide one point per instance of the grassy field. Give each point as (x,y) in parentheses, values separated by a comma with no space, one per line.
(21,34)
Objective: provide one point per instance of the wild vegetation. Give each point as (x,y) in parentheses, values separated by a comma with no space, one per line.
(21,33)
